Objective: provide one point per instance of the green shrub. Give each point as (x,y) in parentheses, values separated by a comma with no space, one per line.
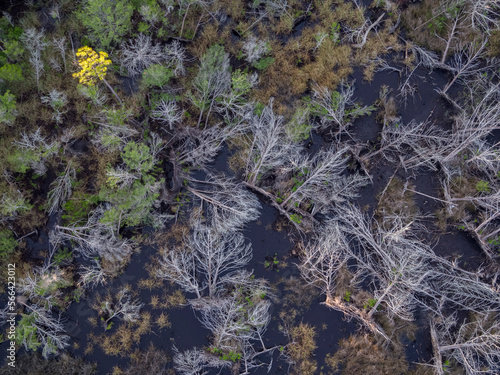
(240,82)
(26,332)
(7,243)
(130,205)
(78,207)
(156,76)
(137,157)
(299,129)
(107,20)
(11,73)
(263,63)
(10,205)
(20,160)
(12,48)
(259,108)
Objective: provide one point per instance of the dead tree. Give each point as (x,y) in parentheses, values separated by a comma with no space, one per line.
(140,53)
(228,205)
(359,36)
(238,318)
(411,272)
(40,328)
(321,180)
(337,108)
(427,59)
(176,57)
(254,49)
(473,123)
(403,272)
(92,276)
(61,189)
(483,227)
(206,257)
(196,147)
(467,62)
(59,44)
(42,285)
(400,265)
(37,65)
(475,345)
(195,361)
(269,148)
(35,43)
(322,261)
(167,112)
(95,238)
(484,14)
(413,145)
(121,306)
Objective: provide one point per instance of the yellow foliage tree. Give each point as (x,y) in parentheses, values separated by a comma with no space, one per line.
(93,67)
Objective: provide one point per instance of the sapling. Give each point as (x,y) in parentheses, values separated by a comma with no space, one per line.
(233,105)
(12,205)
(212,81)
(227,204)
(114,129)
(36,150)
(57,100)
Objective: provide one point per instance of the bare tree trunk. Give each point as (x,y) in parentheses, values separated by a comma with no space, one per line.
(438,361)
(113,91)
(360,45)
